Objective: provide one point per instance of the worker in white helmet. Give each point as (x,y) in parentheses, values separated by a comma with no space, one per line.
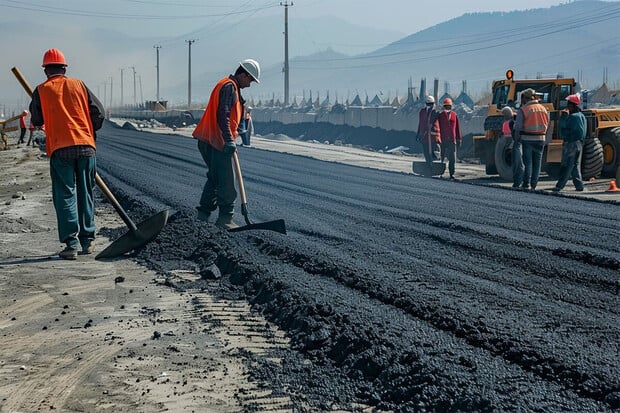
(216,133)
(428,133)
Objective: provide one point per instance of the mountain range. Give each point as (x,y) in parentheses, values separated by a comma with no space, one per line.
(579,39)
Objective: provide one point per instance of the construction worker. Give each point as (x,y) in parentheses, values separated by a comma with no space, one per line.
(531,129)
(450,132)
(572,130)
(517,150)
(22,126)
(216,133)
(71,114)
(248,130)
(428,133)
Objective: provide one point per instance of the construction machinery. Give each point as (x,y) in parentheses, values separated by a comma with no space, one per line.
(601,149)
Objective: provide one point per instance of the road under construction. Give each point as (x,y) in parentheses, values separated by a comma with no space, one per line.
(399,292)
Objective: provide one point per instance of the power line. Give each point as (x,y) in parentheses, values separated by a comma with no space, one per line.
(72,12)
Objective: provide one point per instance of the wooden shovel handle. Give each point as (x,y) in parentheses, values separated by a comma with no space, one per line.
(239,178)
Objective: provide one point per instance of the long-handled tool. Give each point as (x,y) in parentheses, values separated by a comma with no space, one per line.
(277,225)
(138,235)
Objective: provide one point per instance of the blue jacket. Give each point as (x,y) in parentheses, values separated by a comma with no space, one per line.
(573,127)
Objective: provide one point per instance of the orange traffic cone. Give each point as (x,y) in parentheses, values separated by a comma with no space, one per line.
(612,186)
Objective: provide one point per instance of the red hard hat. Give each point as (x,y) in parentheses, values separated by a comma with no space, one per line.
(447,101)
(54,57)
(574,99)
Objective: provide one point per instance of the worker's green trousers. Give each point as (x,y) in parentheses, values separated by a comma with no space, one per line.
(219,190)
(72,193)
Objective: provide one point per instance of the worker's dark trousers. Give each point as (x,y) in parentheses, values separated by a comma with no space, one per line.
(431,153)
(72,193)
(571,165)
(448,150)
(22,134)
(517,164)
(219,190)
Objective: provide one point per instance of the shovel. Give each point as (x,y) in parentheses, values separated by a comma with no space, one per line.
(277,225)
(138,235)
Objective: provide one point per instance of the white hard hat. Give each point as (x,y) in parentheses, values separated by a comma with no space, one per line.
(430,99)
(252,67)
(507,111)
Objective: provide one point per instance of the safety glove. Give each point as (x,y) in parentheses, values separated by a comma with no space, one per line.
(229,148)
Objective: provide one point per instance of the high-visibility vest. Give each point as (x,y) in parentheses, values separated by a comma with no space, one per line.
(64,103)
(506,131)
(208,129)
(535,119)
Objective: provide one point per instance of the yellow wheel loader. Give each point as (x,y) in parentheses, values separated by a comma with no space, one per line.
(601,149)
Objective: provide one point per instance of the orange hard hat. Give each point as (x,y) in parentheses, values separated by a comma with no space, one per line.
(54,57)
(574,99)
(447,101)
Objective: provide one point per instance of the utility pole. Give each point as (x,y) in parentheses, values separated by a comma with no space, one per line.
(157,47)
(122,87)
(189,73)
(111,85)
(140,82)
(286,68)
(134,84)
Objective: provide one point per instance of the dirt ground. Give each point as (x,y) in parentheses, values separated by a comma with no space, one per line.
(109,336)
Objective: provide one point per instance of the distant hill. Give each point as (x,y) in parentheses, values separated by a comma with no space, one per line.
(580,39)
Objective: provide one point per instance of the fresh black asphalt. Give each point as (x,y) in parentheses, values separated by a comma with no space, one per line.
(398,292)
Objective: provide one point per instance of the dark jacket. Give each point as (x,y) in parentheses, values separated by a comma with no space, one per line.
(573,127)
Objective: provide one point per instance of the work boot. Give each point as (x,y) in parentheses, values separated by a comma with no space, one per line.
(88,247)
(202,215)
(226,222)
(68,253)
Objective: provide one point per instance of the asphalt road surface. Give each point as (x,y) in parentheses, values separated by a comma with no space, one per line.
(398,292)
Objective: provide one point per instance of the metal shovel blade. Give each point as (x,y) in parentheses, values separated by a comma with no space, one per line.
(145,232)
(277,226)
(421,168)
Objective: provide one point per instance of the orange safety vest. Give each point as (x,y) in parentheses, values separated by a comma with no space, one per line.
(506,132)
(535,119)
(64,103)
(208,129)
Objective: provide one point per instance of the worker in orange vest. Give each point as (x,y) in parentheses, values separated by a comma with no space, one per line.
(71,114)
(531,129)
(22,126)
(216,133)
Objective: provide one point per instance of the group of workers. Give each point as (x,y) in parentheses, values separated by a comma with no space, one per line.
(439,133)
(72,114)
(529,127)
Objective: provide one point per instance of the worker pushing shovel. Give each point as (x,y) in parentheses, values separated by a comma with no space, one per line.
(71,118)
(216,133)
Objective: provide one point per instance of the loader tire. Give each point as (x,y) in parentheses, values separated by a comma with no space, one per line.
(592,159)
(610,140)
(503,157)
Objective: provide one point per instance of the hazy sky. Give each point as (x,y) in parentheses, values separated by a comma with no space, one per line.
(178,17)
(32,26)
